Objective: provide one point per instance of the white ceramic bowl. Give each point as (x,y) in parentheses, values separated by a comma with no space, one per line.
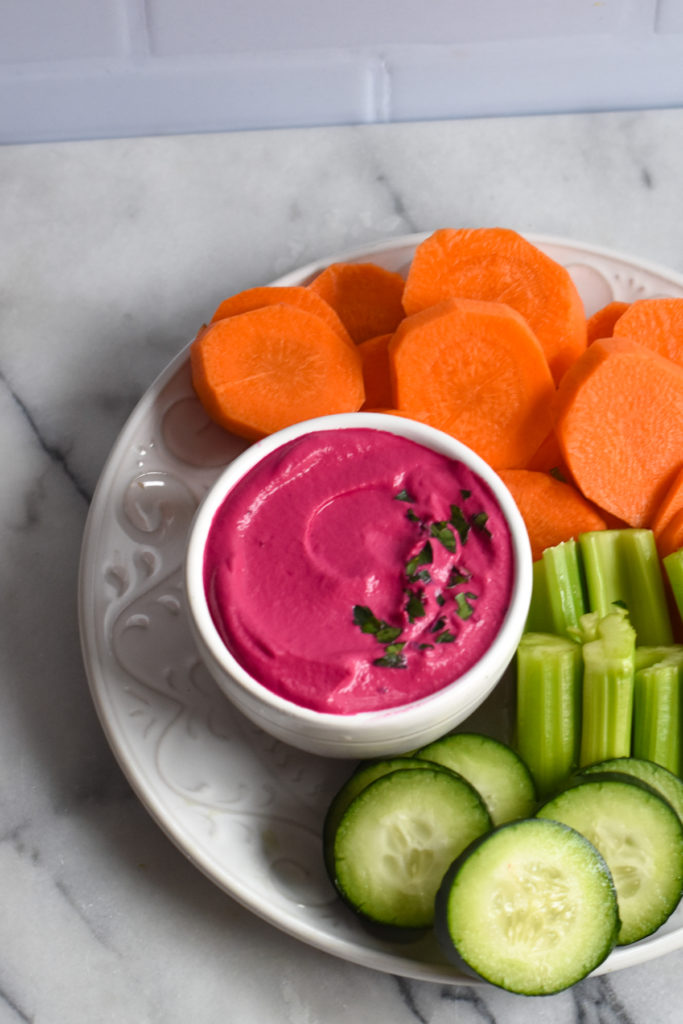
(374,733)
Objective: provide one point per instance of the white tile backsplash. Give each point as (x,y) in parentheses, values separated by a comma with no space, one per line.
(97,68)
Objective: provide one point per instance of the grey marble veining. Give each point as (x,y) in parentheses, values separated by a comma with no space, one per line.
(111,254)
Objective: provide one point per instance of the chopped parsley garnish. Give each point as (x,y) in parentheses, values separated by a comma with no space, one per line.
(424,556)
(440,600)
(367,621)
(393,657)
(460,523)
(415,608)
(444,534)
(414,518)
(465,495)
(445,638)
(403,495)
(479,521)
(457,575)
(463,609)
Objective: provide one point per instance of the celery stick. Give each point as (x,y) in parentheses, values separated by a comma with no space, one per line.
(673,565)
(657,714)
(565,586)
(608,679)
(648,656)
(540,618)
(548,707)
(623,566)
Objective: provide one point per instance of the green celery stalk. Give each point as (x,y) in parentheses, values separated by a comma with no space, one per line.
(622,566)
(548,707)
(539,618)
(657,713)
(648,656)
(608,682)
(673,566)
(565,586)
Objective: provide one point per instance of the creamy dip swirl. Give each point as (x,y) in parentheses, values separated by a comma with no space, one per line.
(354,570)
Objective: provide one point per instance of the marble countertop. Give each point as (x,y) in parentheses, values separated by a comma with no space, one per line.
(111,254)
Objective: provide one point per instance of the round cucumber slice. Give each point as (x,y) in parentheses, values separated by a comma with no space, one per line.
(640,837)
(531,908)
(364,774)
(397,838)
(665,782)
(497,773)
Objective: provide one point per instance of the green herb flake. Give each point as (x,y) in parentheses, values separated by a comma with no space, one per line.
(404,496)
(415,608)
(460,523)
(479,521)
(439,624)
(463,608)
(364,618)
(367,621)
(444,534)
(465,494)
(457,576)
(445,638)
(425,647)
(423,557)
(440,600)
(393,657)
(414,518)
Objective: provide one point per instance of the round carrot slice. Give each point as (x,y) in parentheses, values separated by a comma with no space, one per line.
(260,371)
(480,372)
(291,295)
(499,265)
(367,297)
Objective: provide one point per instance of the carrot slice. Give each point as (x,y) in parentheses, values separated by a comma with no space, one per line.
(266,369)
(601,323)
(375,361)
(552,511)
(620,427)
(671,504)
(292,295)
(547,457)
(496,264)
(366,297)
(655,323)
(480,373)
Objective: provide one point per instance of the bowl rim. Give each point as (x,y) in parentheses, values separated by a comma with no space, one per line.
(482,676)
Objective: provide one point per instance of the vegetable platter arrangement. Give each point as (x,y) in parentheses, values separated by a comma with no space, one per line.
(531,860)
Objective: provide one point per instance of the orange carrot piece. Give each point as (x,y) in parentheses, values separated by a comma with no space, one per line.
(481,375)
(552,511)
(375,361)
(266,369)
(496,264)
(655,323)
(671,537)
(547,457)
(292,295)
(620,427)
(601,323)
(366,297)
(670,505)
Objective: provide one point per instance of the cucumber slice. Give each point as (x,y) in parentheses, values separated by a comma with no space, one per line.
(497,773)
(641,838)
(397,838)
(364,774)
(531,908)
(659,778)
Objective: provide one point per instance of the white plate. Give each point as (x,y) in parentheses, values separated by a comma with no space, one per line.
(245,809)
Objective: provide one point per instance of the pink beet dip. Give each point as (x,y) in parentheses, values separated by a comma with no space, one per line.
(355,570)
